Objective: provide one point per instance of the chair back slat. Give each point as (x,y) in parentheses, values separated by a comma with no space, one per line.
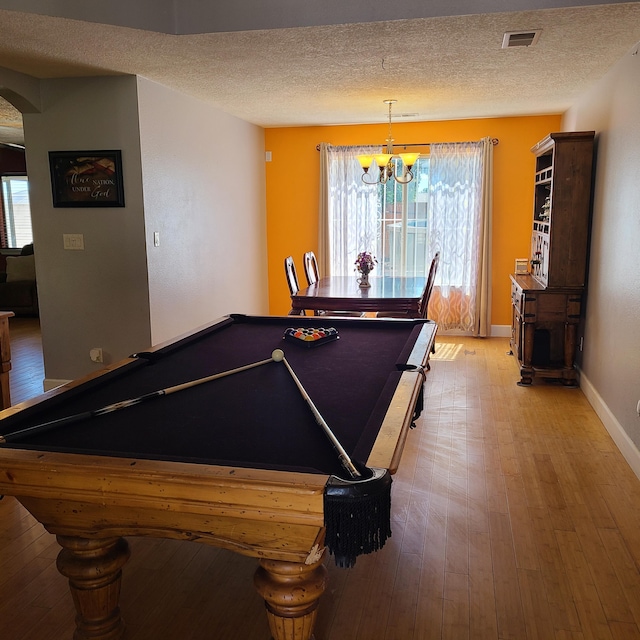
(426,295)
(310,267)
(292,282)
(292,276)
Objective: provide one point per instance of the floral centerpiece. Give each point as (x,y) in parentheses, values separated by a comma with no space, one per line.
(365,263)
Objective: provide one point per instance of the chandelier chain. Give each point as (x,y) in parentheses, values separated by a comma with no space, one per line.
(389,136)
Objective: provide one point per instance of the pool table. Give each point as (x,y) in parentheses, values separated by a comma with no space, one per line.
(238,462)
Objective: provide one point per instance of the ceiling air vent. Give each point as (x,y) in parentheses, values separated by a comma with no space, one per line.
(520,38)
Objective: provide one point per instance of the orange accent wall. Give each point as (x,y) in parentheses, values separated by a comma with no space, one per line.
(292,190)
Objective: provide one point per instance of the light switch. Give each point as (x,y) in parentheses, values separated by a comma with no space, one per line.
(73,241)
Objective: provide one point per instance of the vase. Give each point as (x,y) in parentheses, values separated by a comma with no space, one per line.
(363,281)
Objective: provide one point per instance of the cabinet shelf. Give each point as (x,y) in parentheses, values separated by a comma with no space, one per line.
(541,227)
(562,201)
(544,176)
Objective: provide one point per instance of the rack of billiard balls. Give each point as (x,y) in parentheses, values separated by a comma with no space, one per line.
(311,336)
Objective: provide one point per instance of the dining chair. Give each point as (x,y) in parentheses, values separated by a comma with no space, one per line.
(311,272)
(423,304)
(431,278)
(292,282)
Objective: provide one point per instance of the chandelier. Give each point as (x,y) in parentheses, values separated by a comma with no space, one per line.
(388,162)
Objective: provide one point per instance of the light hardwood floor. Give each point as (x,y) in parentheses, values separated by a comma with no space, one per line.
(514,517)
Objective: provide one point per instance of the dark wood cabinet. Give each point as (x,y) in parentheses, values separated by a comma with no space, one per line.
(544,329)
(547,303)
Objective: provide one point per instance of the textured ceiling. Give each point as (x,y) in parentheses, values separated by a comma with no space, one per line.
(438,68)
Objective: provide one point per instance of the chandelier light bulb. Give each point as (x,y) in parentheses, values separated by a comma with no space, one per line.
(386,161)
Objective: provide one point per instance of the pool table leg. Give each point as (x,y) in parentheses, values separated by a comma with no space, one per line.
(291,592)
(94,569)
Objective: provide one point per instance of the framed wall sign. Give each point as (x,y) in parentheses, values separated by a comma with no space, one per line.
(86,178)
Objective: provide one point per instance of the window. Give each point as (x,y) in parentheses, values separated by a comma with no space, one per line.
(16,212)
(401,246)
(389,220)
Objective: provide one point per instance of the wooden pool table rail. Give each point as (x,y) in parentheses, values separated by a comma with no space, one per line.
(254,512)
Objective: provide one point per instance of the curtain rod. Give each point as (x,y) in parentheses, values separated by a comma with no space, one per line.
(494,142)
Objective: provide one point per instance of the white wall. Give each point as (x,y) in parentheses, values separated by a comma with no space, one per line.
(204,193)
(611,356)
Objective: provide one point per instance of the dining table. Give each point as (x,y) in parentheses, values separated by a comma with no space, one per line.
(397,294)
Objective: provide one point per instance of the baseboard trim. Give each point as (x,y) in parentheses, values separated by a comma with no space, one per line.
(497,331)
(626,445)
(52,383)
(500,330)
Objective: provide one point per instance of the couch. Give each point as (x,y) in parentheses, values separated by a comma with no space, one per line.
(18,291)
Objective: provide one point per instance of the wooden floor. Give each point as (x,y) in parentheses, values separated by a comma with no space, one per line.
(515,517)
(27,375)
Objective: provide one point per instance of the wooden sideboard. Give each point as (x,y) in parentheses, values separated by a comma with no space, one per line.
(547,302)
(544,329)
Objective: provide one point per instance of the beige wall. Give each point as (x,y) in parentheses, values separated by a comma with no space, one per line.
(611,357)
(96,297)
(181,179)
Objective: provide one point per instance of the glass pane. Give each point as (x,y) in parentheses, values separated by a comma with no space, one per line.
(17,212)
(402,232)
(417,262)
(390,212)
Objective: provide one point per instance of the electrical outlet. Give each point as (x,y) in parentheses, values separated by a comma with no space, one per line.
(96,354)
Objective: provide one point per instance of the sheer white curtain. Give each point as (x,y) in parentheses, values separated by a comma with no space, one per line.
(459,226)
(348,209)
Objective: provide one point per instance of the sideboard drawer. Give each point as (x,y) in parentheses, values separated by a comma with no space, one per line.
(559,307)
(517,298)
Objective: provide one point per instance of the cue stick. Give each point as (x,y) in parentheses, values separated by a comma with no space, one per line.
(8,437)
(342,454)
